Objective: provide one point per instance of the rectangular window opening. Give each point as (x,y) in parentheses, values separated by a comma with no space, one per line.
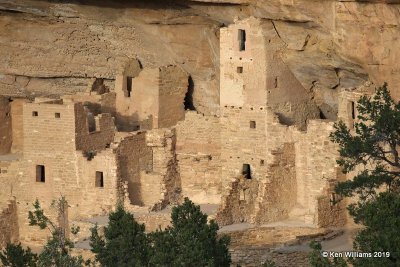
(40,174)
(239,69)
(353,110)
(91,120)
(99,179)
(35,114)
(246,172)
(57,115)
(276,82)
(128,86)
(242,40)
(252,124)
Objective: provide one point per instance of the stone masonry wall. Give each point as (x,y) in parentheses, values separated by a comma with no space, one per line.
(240,142)
(165,165)
(126,119)
(173,84)
(48,141)
(17,125)
(9,232)
(256,74)
(347,103)
(98,139)
(198,152)
(5,126)
(134,158)
(252,247)
(315,166)
(97,103)
(255,257)
(94,199)
(238,203)
(279,194)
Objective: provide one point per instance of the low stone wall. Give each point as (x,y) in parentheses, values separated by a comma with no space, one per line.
(255,257)
(252,247)
(154,221)
(8,223)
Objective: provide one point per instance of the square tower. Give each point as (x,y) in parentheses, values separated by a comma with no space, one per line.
(253,74)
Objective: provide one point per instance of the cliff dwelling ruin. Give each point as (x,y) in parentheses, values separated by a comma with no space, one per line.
(264,157)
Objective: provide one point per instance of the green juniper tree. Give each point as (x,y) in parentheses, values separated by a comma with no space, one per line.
(190,241)
(17,256)
(124,244)
(57,251)
(373,147)
(318,260)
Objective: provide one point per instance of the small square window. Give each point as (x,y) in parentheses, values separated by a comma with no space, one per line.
(99,179)
(35,114)
(7,114)
(252,124)
(239,69)
(57,115)
(262,162)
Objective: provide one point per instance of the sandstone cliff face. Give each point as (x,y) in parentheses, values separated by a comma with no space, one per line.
(55,47)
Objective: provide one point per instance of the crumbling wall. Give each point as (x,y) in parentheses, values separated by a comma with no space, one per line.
(17,125)
(252,247)
(238,203)
(156,93)
(286,96)
(126,119)
(331,210)
(102,134)
(5,126)
(9,232)
(243,129)
(315,165)
(134,158)
(256,256)
(173,85)
(278,190)
(96,103)
(163,145)
(198,152)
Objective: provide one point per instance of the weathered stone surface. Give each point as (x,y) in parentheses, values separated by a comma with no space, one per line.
(8,222)
(329,44)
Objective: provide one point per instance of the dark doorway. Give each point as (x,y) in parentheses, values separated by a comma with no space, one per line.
(246,172)
(242,40)
(188,102)
(99,179)
(128,86)
(40,174)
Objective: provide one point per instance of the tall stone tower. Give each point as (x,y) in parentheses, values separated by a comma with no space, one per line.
(255,85)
